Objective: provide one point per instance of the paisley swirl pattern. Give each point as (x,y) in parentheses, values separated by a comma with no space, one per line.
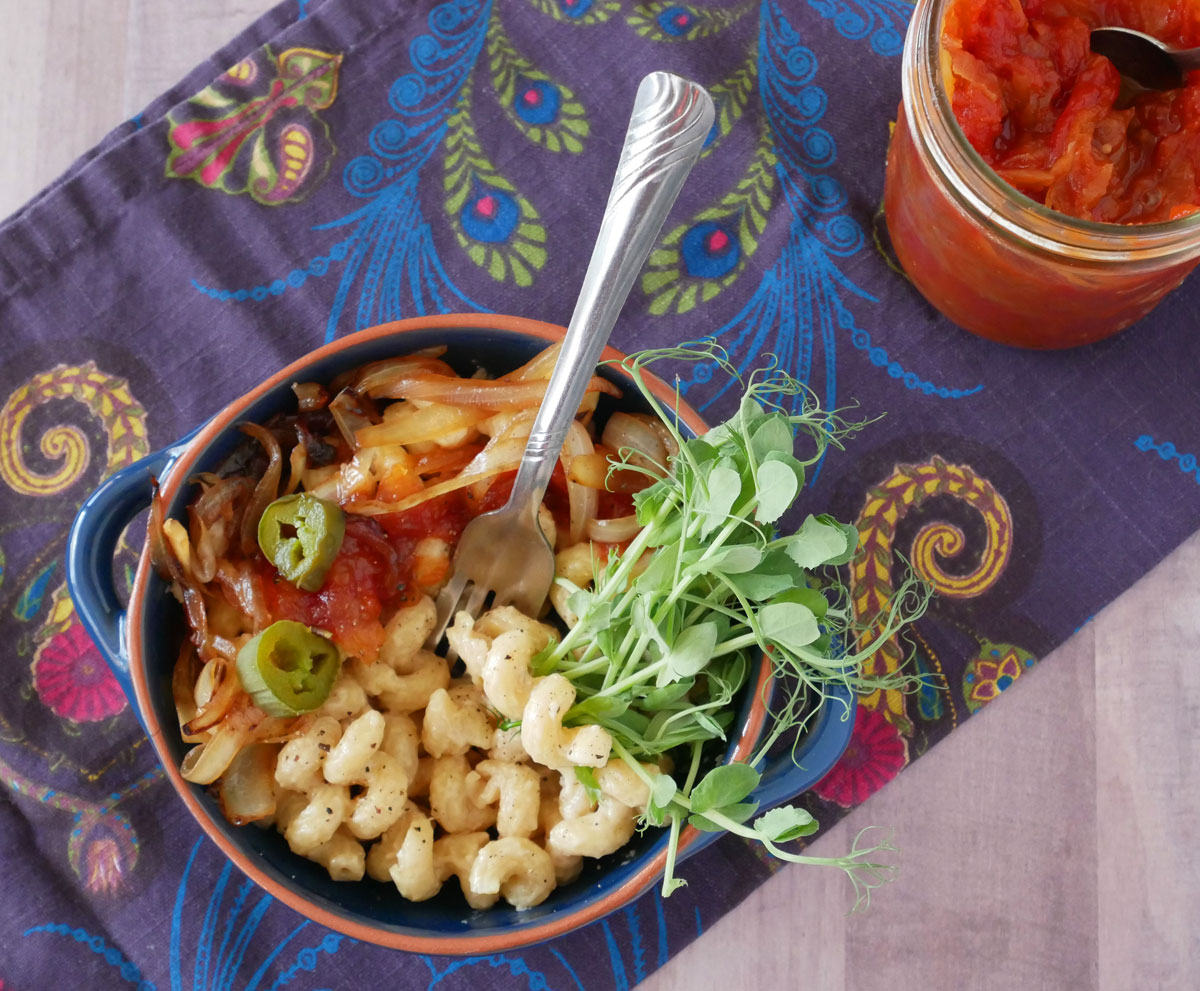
(872,588)
(478,127)
(731,96)
(545,111)
(579,11)
(68,673)
(103,846)
(498,228)
(804,301)
(992,670)
(882,21)
(255,129)
(700,258)
(106,397)
(666,20)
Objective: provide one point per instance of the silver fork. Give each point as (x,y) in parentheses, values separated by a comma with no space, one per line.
(504,553)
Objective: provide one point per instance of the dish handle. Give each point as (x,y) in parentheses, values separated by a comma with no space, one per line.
(92,545)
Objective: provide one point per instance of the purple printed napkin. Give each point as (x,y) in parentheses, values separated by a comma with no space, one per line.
(349,162)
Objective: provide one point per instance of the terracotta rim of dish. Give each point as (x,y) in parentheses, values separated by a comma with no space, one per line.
(471,943)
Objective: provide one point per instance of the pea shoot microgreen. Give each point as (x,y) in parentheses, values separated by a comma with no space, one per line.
(666,634)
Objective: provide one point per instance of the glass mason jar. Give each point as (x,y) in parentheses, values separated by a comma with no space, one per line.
(991,259)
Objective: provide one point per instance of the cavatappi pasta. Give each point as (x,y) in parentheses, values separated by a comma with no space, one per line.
(306,569)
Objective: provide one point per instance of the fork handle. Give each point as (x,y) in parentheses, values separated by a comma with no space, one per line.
(670,121)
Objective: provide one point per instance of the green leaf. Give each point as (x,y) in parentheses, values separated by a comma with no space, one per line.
(791,462)
(750,413)
(721,490)
(727,674)
(597,707)
(710,726)
(659,574)
(663,791)
(738,813)
(690,652)
(811,598)
(595,616)
(587,777)
(631,721)
(701,451)
(661,698)
(724,785)
(785,823)
(777,488)
(773,435)
(852,536)
(788,624)
(759,586)
(649,501)
(734,559)
(821,540)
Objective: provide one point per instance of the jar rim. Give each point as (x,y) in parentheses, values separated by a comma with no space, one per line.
(980,189)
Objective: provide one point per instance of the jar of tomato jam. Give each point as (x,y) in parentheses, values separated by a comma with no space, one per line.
(995,261)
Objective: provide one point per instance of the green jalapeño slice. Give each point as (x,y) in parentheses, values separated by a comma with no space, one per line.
(301,535)
(288,669)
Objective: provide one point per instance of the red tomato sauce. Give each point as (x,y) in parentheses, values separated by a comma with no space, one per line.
(365,576)
(1041,108)
(374,571)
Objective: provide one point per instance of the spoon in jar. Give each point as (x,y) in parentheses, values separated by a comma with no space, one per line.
(1143,60)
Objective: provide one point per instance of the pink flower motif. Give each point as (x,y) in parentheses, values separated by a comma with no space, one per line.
(876,754)
(72,679)
(103,866)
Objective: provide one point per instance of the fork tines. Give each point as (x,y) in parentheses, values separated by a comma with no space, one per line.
(459,595)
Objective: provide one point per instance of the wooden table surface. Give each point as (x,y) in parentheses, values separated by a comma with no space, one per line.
(1051,842)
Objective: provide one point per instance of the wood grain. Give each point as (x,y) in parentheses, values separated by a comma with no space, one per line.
(1048,844)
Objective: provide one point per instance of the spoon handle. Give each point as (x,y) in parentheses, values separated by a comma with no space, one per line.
(1188,59)
(669,123)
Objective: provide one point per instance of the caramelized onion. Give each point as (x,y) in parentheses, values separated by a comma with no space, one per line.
(220,497)
(216,687)
(241,584)
(489,393)
(161,556)
(205,763)
(210,543)
(626,432)
(297,463)
(417,424)
(374,507)
(538,367)
(378,377)
(310,396)
(352,412)
(183,681)
(267,489)
(247,791)
(582,498)
(443,459)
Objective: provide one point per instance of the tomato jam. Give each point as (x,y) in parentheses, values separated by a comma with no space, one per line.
(365,576)
(1046,113)
(1023,198)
